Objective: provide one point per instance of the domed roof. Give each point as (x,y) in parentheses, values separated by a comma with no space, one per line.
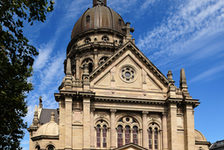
(98,17)
(199,136)
(50,129)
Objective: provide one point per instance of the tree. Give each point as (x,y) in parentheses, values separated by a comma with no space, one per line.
(16,60)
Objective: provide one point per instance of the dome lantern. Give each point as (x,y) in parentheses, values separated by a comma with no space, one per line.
(99,2)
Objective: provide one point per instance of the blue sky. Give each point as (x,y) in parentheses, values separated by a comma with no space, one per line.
(173,34)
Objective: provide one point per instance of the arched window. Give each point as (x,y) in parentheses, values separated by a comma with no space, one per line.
(153,136)
(37,147)
(104,136)
(98,136)
(89,63)
(150,138)
(125,126)
(87,40)
(87,19)
(101,134)
(135,135)
(156,139)
(50,147)
(120,136)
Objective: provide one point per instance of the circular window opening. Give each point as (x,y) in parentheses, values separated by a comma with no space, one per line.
(128,74)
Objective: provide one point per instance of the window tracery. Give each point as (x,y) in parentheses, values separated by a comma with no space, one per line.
(101,134)
(128,129)
(153,136)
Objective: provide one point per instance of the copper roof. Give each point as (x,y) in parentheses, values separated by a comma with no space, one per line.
(98,17)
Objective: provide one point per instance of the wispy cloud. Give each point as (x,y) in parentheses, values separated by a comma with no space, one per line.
(180,34)
(147,3)
(208,74)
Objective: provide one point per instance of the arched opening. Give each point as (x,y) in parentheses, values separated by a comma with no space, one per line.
(127,135)
(89,63)
(150,138)
(105,38)
(104,136)
(98,135)
(119,136)
(102,60)
(135,135)
(156,138)
(37,147)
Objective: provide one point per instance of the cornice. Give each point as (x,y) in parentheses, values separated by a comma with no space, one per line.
(45,137)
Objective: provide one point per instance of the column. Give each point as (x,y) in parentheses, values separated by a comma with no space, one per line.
(77,77)
(144,129)
(189,127)
(68,123)
(112,129)
(172,126)
(164,132)
(86,123)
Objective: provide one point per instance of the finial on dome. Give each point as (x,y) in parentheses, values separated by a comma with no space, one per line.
(52,116)
(99,2)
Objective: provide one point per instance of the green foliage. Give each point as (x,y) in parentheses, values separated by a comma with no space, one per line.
(16,60)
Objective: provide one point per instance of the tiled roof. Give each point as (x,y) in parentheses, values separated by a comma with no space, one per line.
(45,115)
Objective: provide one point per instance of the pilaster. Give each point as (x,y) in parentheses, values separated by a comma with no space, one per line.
(144,128)
(164,132)
(62,124)
(189,127)
(112,129)
(86,123)
(92,128)
(68,123)
(172,127)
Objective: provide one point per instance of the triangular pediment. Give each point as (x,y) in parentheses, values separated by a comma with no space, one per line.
(128,69)
(131,146)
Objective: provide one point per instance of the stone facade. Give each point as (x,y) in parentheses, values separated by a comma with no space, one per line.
(113,97)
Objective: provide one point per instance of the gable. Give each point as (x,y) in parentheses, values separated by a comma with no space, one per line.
(130,146)
(128,72)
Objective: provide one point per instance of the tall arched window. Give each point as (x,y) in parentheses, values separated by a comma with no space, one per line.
(127,135)
(120,136)
(101,134)
(156,139)
(135,135)
(125,126)
(98,136)
(153,136)
(150,138)
(104,136)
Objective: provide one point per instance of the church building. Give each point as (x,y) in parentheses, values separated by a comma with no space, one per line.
(112,96)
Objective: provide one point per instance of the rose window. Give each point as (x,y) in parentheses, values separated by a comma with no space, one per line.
(128,74)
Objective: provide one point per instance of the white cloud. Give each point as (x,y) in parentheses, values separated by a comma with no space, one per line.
(147,3)
(184,30)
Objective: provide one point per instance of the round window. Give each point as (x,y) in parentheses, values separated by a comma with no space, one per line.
(128,74)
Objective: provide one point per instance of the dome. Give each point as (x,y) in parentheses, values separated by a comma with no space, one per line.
(50,129)
(98,17)
(199,136)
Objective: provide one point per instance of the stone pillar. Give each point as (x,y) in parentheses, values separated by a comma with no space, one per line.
(164,132)
(62,124)
(86,123)
(144,129)
(95,59)
(68,123)
(92,128)
(112,129)
(189,128)
(172,127)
